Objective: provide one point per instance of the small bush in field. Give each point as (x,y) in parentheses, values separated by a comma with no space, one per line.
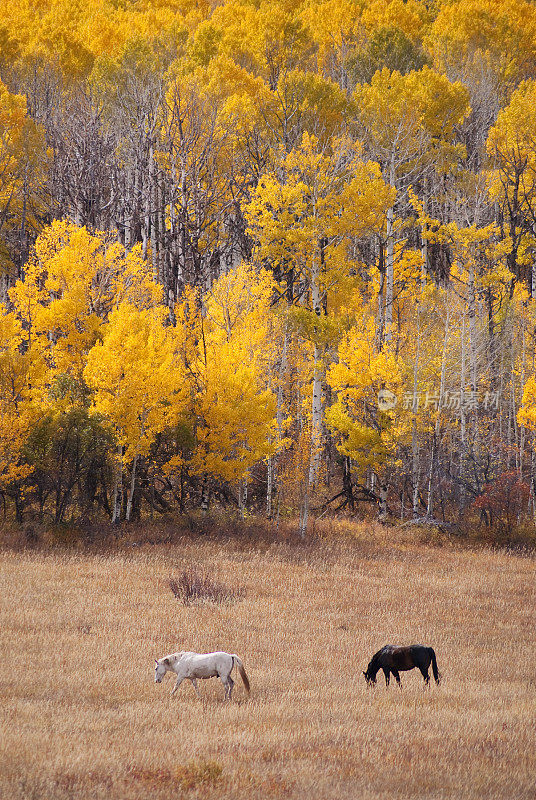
(198,773)
(194,586)
(194,775)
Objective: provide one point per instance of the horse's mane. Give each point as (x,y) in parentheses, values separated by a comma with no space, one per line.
(374,660)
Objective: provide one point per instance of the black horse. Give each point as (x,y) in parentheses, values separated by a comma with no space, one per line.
(398,659)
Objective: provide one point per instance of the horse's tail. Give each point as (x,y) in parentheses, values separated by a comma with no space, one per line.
(238,662)
(437,674)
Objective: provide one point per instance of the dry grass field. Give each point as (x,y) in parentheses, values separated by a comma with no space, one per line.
(82,718)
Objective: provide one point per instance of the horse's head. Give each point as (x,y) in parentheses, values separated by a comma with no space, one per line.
(370,677)
(160,670)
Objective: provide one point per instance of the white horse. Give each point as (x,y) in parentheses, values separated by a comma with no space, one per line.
(201,665)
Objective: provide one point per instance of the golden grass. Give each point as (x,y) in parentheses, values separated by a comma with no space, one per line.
(81,717)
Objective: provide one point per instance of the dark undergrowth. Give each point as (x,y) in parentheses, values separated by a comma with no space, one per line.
(258,533)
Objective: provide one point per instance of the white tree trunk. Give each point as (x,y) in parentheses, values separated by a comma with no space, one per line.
(472,341)
(316,408)
(414,431)
(383,491)
(424,240)
(132,486)
(429,505)
(316,420)
(243,495)
(304,513)
(205,494)
(390,261)
(522,386)
(153,212)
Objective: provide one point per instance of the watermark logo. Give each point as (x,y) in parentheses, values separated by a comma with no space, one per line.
(387,400)
(449,400)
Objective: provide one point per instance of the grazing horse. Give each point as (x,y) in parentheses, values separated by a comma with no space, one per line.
(201,665)
(398,659)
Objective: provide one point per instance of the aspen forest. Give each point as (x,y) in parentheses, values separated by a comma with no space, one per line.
(275,257)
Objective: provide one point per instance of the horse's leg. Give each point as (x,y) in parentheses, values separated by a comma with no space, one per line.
(424,673)
(397,677)
(177,684)
(386,673)
(194,684)
(228,684)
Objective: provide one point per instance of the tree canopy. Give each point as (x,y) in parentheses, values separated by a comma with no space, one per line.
(276,255)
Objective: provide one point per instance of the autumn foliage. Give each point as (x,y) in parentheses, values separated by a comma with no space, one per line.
(278,256)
